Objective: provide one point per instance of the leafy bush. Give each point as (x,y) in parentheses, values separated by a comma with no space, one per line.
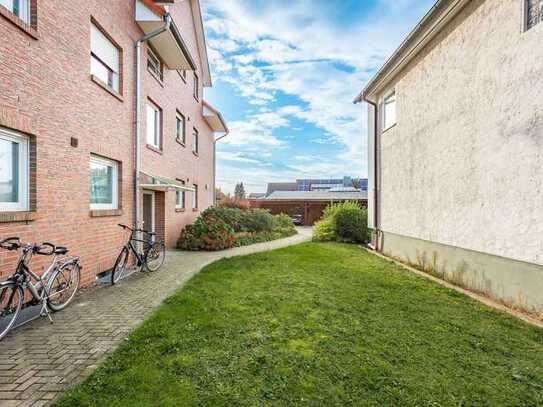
(352,225)
(208,233)
(219,228)
(345,221)
(258,220)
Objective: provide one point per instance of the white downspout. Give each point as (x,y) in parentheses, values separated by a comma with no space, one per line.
(137,165)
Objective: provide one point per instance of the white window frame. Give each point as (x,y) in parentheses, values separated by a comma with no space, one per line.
(24,9)
(22,203)
(195,197)
(181,118)
(195,140)
(115,192)
(154,139)
(386,100)
(113,67)
(154,64)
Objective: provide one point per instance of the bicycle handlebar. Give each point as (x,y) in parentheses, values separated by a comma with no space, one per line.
(11,243)
(135,230)
(39,249)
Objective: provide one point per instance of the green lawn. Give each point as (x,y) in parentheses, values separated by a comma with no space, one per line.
(319,324)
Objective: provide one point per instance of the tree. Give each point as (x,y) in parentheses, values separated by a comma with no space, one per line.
(239,191)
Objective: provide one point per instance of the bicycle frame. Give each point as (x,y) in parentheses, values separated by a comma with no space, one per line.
(133,247)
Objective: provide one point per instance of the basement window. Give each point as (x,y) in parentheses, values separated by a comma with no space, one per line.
(534,13)
(104,183)
(389,111)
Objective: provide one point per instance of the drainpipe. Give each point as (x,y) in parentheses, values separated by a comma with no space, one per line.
(375,169)
(145,38)
(215,167)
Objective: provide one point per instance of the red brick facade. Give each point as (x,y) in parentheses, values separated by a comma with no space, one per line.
(48,94)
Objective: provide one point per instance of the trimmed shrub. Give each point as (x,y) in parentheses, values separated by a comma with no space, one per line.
(233,217)
(345,221)
(258,220)
(352,225)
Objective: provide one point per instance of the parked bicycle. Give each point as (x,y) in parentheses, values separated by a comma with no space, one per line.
(151,257)
(54,289)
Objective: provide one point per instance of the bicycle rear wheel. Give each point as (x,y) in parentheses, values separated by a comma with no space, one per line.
(155,256)
(11,301)
(63,286)
(120,266)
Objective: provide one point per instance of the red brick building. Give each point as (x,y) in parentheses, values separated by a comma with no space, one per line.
(69,123)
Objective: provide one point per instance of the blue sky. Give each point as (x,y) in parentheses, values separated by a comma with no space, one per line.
(285,74)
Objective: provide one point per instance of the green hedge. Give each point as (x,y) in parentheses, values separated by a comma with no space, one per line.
(346,222)
(220,228)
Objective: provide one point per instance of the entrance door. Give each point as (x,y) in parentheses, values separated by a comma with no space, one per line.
(149,211)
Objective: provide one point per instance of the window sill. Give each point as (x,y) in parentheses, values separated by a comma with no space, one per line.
(388,128)
(180,142)
(196,98)
(101,213)
(157,78)
(182,77)
(153,148)
(107,88)
(23,216)
(195,154)
(180,209)
(194,209)
(26,28)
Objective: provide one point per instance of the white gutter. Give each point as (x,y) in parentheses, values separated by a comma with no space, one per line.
(145,38)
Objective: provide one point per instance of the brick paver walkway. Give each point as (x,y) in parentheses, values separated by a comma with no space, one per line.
(39,360)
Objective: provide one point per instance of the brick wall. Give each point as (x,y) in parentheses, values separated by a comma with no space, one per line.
(46,92)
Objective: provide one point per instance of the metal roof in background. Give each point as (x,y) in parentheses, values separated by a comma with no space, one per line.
(356,195)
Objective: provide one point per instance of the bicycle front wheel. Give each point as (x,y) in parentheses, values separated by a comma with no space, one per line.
(120,266)
(11,301)
(155,256)
(63,286)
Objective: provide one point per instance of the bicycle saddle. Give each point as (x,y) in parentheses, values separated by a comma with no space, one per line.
(61,250)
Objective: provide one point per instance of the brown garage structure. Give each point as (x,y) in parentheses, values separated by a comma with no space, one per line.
(309,204)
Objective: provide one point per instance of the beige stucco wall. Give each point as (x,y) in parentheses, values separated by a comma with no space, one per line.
(464,165)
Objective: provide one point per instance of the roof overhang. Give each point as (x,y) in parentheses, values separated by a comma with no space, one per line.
(169,45)
(432,23)
(214,118)
(201,42)
(158,183)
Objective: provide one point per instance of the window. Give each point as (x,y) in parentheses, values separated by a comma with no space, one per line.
(104,184)
(21,8)
(180,197)
(105,59)
(154,64)
(196,87)
(534,13)
(180,128)
(183,74)
(195,141)
(154,125)
(14,163)
(195,197)
(389,111)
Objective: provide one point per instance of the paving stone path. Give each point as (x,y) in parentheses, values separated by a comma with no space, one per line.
(39,360)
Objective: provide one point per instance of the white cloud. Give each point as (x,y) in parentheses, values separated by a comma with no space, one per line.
(267,49)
